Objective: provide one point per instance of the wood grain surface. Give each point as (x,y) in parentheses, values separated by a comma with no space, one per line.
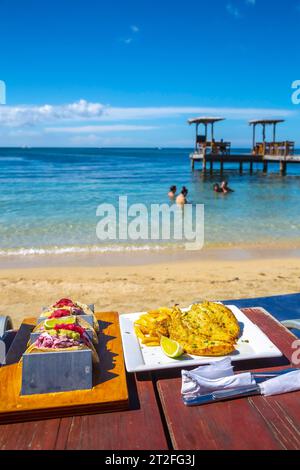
(108,393)
(246,423)
(157,418)
(139,428)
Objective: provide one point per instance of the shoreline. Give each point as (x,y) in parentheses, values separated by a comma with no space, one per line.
(143,286)
(151,256)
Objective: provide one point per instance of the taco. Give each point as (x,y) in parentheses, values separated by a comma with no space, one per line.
(65,322)
(63,338)
(66,307)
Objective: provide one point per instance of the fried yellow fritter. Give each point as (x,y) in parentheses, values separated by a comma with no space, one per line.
(220,315)
(206,329)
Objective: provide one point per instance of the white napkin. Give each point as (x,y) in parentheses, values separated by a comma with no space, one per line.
(216,376)
(282,384)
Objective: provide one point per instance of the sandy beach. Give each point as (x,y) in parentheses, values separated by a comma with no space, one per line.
(49,247)
(136,287)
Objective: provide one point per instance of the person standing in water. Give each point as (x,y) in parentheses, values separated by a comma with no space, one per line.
(172,192)
(225,188)
(217,188)
(182,197)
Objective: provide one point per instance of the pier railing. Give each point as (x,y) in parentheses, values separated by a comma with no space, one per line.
(214,148)
(283,149)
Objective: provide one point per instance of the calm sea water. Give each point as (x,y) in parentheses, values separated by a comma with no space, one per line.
(48,197)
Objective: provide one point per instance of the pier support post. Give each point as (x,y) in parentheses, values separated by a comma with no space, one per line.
(211,167)
(282,167)
(221,167)
(204,165)
(251,167)
(241,168)
(192,164)
(265,166)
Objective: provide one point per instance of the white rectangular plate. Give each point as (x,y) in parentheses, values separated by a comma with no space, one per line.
(252,344)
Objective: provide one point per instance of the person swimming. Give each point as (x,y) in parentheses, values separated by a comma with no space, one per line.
(217,188)
(181,198)
(172,192)
(225,188)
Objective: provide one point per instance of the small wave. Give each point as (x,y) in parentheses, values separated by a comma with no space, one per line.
(11,159)
(83,250)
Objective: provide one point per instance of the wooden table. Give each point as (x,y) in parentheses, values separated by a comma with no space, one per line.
(158,420)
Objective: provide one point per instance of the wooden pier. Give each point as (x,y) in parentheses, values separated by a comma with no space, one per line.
(212,153)
(211,162)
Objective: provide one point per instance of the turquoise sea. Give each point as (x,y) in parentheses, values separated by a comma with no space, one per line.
(48,198)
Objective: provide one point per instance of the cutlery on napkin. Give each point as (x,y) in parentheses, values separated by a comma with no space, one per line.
(217,382)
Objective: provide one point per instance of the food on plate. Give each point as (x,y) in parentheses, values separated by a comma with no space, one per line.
(66,323)
(66,307)
(67,337)
(206,329)
(170,347)
(152,325)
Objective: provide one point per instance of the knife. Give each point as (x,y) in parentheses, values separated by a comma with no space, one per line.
(238,392)
(262,376)
(223,395)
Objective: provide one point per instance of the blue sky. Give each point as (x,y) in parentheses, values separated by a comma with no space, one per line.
(130,73)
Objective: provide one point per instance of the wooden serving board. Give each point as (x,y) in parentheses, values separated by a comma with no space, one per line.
(109,392)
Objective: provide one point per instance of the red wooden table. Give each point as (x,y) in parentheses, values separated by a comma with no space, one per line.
(158,420)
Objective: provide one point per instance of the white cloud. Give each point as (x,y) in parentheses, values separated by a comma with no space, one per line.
(233,10)
(91,139)
(98,129)
(128,40)
(24,133)
(114,113)
(28,116)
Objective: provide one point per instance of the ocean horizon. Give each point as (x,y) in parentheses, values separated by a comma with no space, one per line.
(49,197)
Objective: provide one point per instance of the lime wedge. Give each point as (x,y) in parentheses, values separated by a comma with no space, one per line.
(50,323)
(170,347)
